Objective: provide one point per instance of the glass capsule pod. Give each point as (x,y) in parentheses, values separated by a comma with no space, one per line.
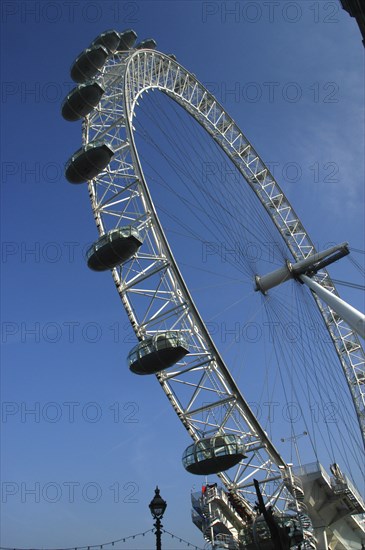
(88,162)
(88,63)
(126,40)
(81,101)
(258,536)
(109,39)
(148,44)
(158,352)
(213,454)
(113,248)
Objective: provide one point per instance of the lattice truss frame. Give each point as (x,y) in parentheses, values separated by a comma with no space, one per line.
(200,387)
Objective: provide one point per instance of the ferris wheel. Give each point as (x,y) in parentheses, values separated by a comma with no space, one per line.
(137,147)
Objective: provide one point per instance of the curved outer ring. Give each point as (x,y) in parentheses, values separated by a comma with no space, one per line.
(142,70)
(299,250)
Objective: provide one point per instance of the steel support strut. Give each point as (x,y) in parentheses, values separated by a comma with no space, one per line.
(349,314)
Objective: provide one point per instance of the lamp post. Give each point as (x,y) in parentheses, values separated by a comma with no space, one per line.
(157,507)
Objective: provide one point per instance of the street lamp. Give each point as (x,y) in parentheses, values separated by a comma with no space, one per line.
(157,507)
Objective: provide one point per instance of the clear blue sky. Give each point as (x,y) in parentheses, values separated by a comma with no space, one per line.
(100,439)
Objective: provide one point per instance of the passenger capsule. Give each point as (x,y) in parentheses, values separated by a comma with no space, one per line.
(82,100)
(148,44)
(109,39)
(88,162)
(88,63)
(213,454)
(259,535)
(127,39)
(157,353)
(113,248)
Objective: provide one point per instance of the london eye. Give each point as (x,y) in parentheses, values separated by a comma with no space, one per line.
(211,263)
